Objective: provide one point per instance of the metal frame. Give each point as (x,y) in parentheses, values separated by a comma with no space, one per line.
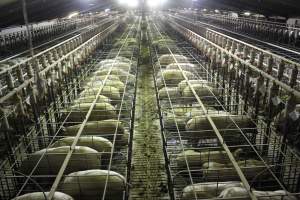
(280,33)
(13,76)
(15,42)
(178,140)
(49,130)
(284,63)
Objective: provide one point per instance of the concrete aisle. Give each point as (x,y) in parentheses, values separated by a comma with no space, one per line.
(148,176)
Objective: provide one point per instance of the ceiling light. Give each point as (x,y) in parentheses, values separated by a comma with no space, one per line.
(129,3)
(73,14)
(153,3)
(123,2)
(247,13)
(133,3)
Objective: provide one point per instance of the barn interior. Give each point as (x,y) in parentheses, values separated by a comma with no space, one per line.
(149,99)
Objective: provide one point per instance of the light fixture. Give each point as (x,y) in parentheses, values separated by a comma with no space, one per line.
(73,14)
(217,11)
(247,13)
(133,3)
(107,10)
(153,3)
(129,3)
(122,2)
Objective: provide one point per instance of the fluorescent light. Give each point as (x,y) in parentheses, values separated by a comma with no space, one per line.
(217,11)
(129,3)
(156,3)
(123,2)
(73,14)
(247,13)
(132,3)
(153,3)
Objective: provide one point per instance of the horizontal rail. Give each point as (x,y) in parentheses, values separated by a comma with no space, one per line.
(79,132)
(255,21)
(45,51)
(31,80)
(246,44)
(181,101)
(199,38)
(48,42)
(214,127)
(59,49)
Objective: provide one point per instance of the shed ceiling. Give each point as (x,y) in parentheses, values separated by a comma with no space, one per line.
(286,8)
(38,10)
(11,10)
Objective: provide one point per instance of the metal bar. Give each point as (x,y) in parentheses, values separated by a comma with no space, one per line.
(218,134)
(111,28)
(114,139)
(247,44)
(248,65)
(52,48)
(27,28)
(31,80)
(267,166)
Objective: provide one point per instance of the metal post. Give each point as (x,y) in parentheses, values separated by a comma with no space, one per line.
(27,27)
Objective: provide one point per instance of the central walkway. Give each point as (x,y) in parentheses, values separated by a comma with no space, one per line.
(148,176)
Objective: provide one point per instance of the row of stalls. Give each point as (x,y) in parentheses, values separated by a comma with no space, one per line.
(252,70)
(16,69)
(79,150)
(50,70)
(284,33)
(16,39)
(215,148)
